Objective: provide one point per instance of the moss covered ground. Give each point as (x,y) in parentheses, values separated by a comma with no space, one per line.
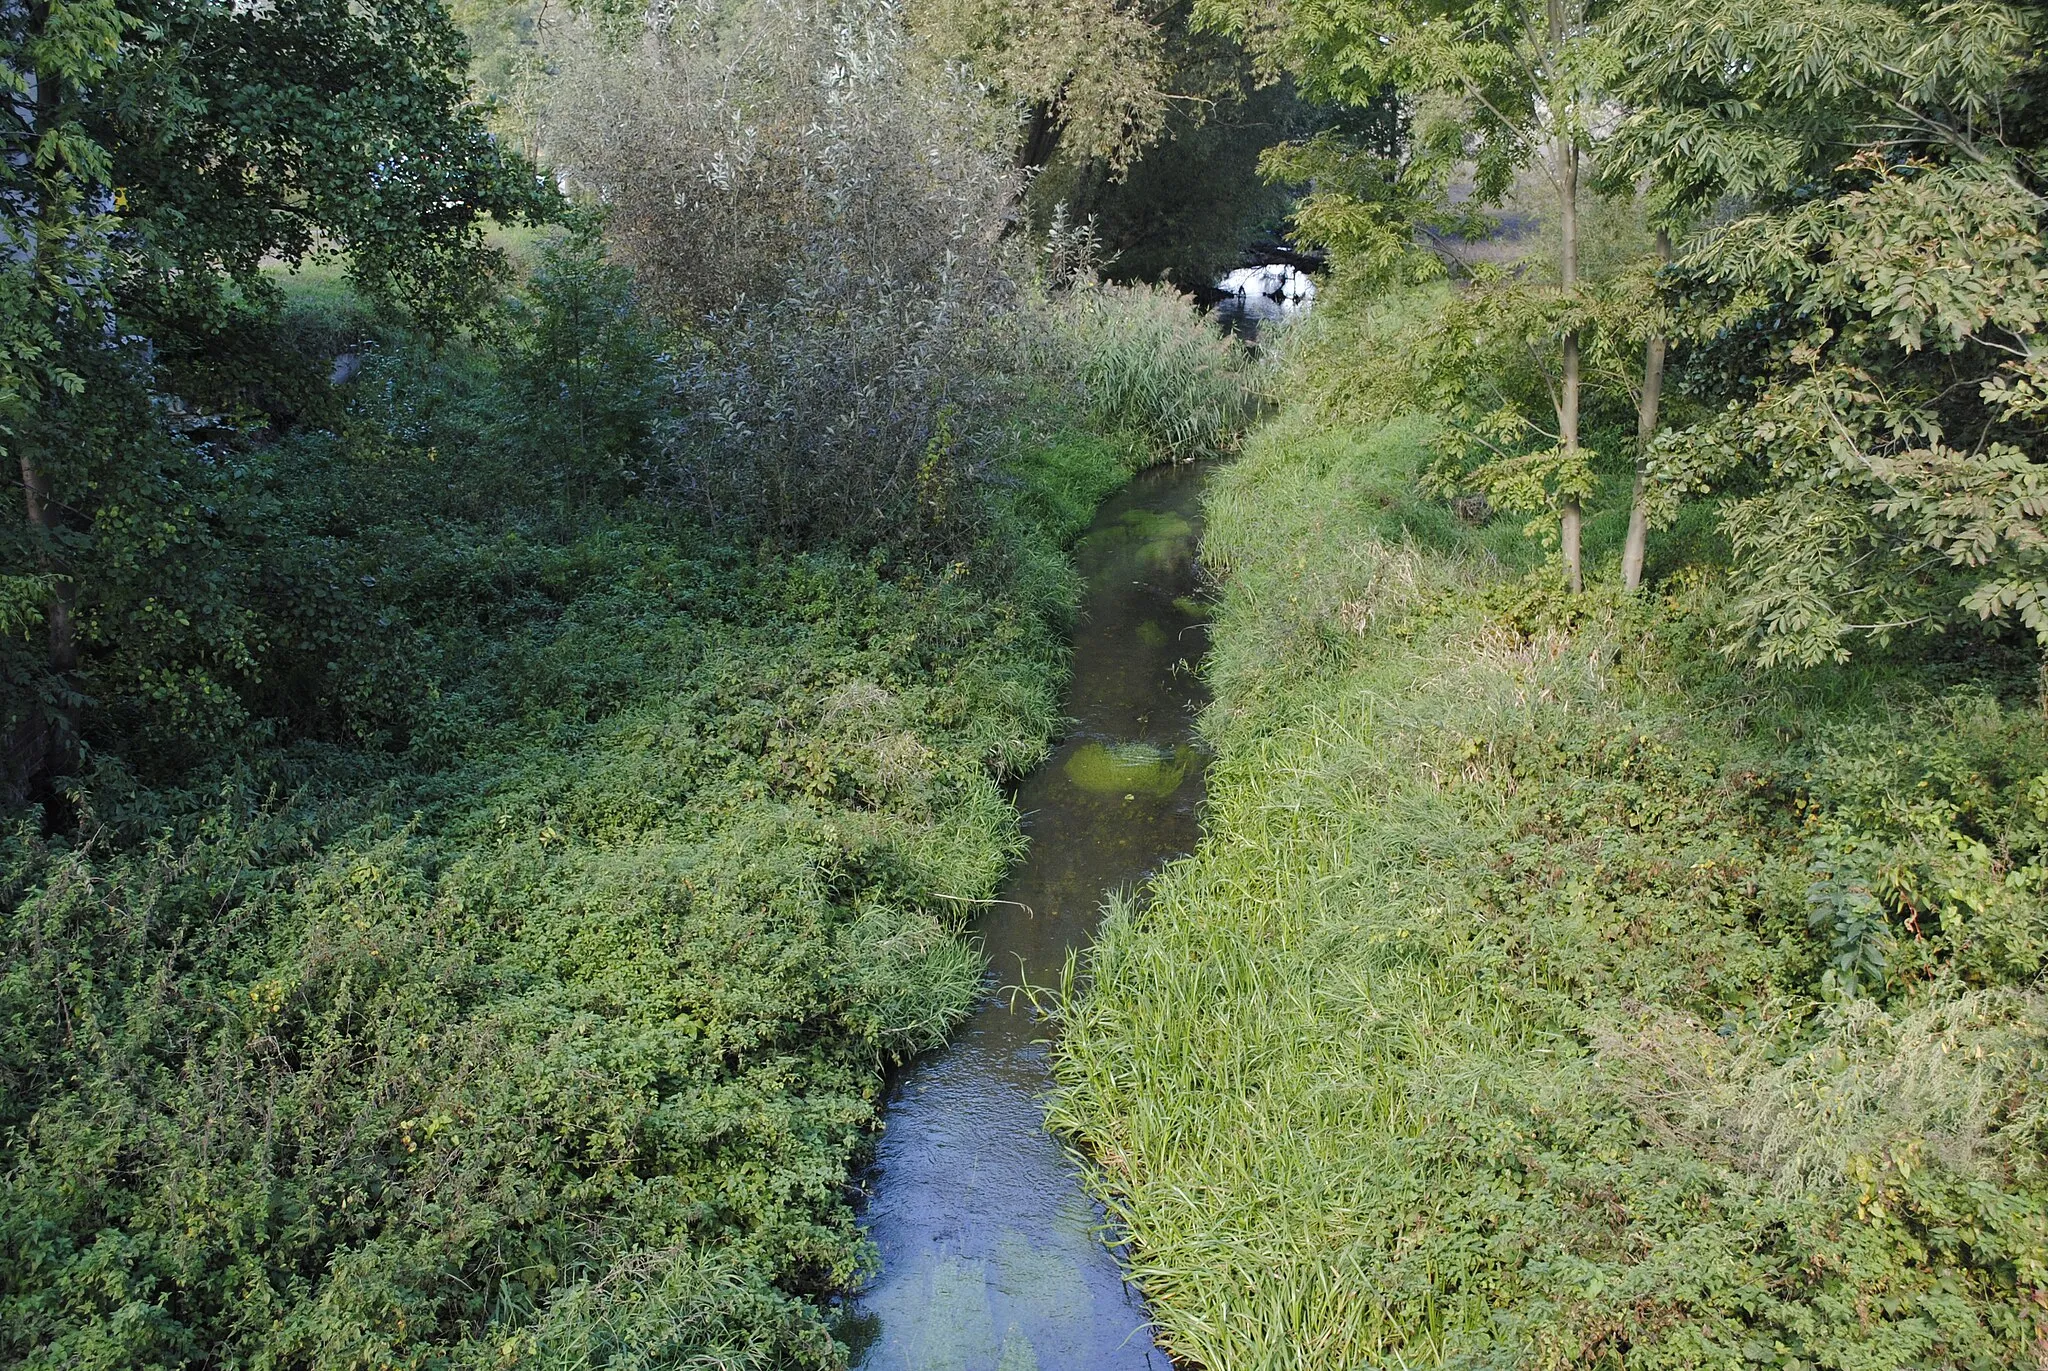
(1549,990)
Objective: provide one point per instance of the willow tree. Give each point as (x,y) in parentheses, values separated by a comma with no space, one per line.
(1093,75)
(1489,88)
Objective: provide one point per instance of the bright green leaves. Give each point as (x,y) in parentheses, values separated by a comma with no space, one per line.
(1486,89)
(1488,368)
(1930,862)
(1900,416)
(1364,204)
(1100,72)
(1869,317)
(1483,89)
(1937,257)
(1753,98)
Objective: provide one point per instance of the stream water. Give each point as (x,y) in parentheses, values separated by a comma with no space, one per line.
(992,1258)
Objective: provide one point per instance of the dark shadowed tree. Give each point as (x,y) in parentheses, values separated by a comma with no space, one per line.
(158,153)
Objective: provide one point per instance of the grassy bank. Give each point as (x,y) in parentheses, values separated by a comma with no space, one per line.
(507,977)
(1550,992)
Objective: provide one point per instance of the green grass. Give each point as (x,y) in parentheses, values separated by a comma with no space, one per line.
(316,289)
(1507,1015)
(320,298)
(1146,363)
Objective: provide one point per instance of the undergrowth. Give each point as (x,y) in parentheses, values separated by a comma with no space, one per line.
(515,989)
(1549,992)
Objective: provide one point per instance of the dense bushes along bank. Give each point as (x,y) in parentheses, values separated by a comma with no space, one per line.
(1548,991)
(507,976)
(471,840)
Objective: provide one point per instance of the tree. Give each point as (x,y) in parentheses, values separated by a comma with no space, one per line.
(1092,75)
(1490,88)
(1869,319)
(158,154)
(1636,546)
(1186,208)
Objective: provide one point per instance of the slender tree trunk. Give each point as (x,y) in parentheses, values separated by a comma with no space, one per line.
(35,494)
(33,750)
(1636,548)
(1566,150)
(35,482)
(1568,392)
(1570,517)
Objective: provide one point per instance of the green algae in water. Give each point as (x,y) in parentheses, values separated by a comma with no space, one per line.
(1193,608)
(1158,540)
(1133,768)
(1150,526)
(1151,634)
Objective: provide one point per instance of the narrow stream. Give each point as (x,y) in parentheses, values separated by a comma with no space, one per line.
(991,1259)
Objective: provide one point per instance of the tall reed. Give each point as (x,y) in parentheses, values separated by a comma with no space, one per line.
(1147,362)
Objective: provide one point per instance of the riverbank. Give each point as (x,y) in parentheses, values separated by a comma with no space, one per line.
(532,1006)
(1548,991)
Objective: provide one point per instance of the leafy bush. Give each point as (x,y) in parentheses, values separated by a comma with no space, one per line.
(1929,858)
(820,423)
(826,218)
(745,150)
(588,366)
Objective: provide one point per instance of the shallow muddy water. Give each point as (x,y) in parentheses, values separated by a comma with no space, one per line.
(991,1258)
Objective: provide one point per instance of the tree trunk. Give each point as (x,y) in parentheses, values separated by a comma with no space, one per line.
(1637,547)
(34,749)
(35,494)
(1042,130)
(1566,150)
(1569,515)
(35,482)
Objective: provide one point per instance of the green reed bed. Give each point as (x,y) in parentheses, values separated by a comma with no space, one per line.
(1509,1013)
(1145,365)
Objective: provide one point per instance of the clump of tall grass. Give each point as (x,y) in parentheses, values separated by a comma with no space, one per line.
(1145,360)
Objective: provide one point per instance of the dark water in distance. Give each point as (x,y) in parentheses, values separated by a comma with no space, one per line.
(990,1256)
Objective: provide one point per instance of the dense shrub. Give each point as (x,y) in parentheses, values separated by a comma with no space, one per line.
(826,219)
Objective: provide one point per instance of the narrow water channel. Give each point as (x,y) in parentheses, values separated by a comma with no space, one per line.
(991,1256)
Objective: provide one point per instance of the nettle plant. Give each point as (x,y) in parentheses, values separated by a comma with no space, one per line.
(1930,861)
